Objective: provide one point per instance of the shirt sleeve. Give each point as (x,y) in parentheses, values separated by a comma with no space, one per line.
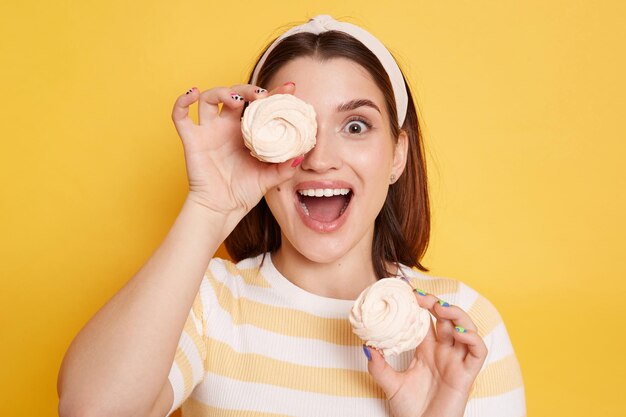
(188,368)
(499,388)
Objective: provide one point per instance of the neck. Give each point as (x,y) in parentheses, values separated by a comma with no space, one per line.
(343,278)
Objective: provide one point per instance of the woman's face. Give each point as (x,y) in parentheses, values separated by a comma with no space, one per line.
(352,162)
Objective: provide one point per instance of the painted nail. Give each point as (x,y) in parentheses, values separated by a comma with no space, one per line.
(367,353)
(260,90)
(236,97)
(460,329)
(443,303)
(420,292)
(297,161)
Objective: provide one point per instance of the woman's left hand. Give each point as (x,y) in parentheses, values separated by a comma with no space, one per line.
(440,376)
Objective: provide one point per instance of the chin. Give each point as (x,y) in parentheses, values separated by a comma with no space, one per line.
(321,252)
(326,248)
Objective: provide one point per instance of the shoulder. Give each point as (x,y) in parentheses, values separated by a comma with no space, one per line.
(500,380)
(220,267)
(226,266)
(456,292)
(246,272)
(480,309)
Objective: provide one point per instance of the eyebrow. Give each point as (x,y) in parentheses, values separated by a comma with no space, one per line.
(355,104)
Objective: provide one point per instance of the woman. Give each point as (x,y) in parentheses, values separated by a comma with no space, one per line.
(269,335)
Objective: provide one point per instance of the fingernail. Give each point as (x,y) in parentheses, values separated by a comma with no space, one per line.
(443,303)
(290,83)
(260,90)
(297,161)
(367,353)
(236,97)
(420,292)
(460,329)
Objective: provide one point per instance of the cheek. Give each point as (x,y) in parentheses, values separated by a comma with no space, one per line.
(277,200)
(375,159)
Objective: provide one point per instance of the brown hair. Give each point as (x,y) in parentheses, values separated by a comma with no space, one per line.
(402,228)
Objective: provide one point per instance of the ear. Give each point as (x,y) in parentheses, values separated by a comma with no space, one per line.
(400,155)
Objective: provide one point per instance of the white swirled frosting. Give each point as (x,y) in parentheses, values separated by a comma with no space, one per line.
(279,127)
(386,316)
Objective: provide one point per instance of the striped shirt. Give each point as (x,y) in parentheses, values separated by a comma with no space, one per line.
(256,345)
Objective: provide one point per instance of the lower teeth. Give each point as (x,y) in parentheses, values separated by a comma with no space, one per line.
(306,210)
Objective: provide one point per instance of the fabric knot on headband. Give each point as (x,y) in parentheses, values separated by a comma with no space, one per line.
(325,23)
(321,23)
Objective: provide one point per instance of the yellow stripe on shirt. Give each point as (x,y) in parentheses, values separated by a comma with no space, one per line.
(498,378)
(284,320)
(194,408)
(198,340)
(197,310)
(484,315)
(251,367)
(435,286)
(251,276)
(185,369)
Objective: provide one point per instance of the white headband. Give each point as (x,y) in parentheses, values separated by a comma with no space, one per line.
(325,23)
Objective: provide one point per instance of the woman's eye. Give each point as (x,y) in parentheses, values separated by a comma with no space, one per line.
(356,127)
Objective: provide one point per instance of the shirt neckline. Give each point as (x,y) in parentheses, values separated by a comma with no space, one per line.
(325,306)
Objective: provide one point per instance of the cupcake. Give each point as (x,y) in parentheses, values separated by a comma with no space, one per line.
(386,316)
(279,127)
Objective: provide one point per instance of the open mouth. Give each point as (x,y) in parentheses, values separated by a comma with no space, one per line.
(324,205)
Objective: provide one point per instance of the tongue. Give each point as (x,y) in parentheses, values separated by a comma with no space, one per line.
(324,209)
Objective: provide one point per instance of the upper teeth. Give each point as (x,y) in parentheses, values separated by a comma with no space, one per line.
(324,192)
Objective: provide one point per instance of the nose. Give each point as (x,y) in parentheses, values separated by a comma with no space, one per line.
(325,156)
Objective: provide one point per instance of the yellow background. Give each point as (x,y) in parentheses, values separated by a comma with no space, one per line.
(523,110)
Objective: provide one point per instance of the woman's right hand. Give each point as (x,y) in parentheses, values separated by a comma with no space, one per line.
(222,174)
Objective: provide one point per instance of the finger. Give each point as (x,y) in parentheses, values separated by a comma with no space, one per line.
(451,316)
(287,88)
(180,112)
(456,315)
(445,332)
(208,105)
(425,300)
(384,375)
(249,93)
(431,336)
(425,350)
(275,174)
(476,348)
(444,326)
(453,320)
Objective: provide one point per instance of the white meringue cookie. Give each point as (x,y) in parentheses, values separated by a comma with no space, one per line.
(279,127)
(386,316)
